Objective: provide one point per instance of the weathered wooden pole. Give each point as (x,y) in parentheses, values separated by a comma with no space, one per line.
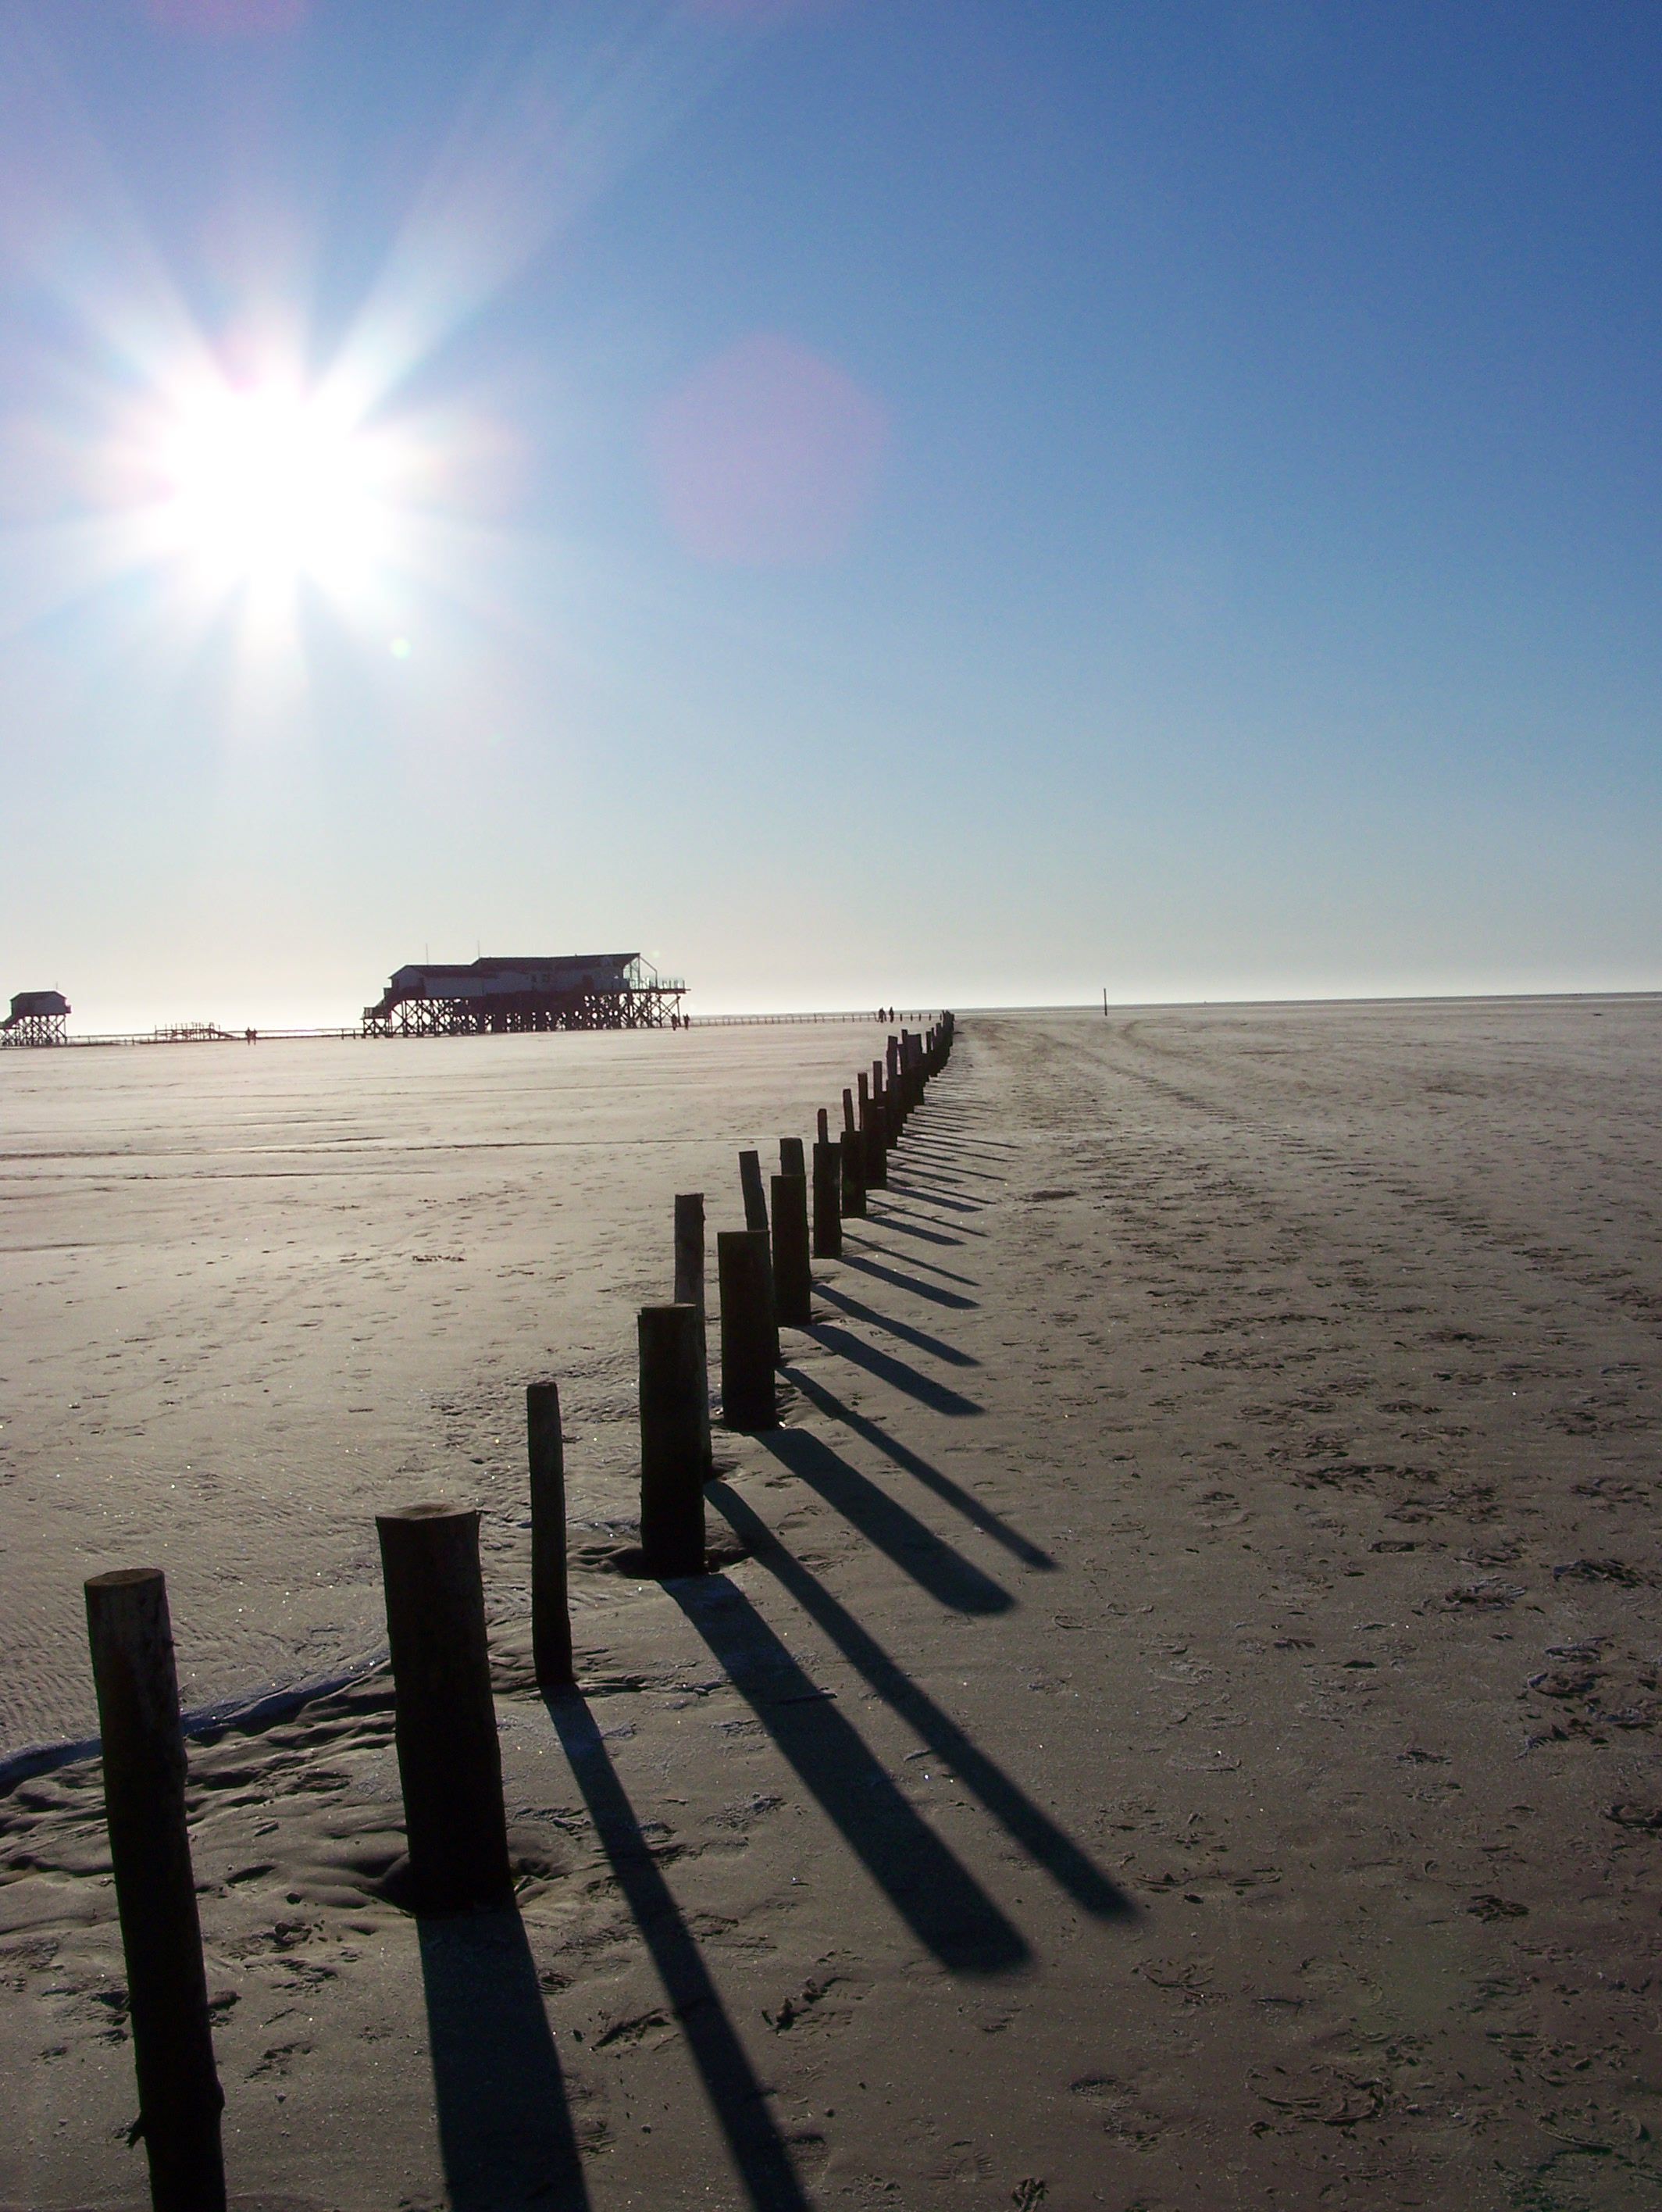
(550,1615)
(828,1201)
(848,1121)
(690,1287)
(864,1082)
(748,1332)
(793,1278)
(853,1153)
(824,1127)
(689,1248)
(444,1719)
(755,1198)
(791,1158)
(180,2099)
(755,1220)
(672,1459)
(871,1134)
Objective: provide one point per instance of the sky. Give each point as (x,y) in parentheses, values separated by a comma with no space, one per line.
(947,501)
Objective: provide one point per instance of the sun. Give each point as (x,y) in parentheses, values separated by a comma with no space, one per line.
(268,484)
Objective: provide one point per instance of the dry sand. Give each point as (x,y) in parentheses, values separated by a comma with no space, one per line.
(1183,1733)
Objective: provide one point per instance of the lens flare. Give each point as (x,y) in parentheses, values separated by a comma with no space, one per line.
(269,485)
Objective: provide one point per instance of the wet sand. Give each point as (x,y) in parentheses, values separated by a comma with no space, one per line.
(1175,1725)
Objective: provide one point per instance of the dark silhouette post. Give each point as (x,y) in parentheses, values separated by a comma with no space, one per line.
(871,1135)
(748,1333)
(180,2099)
(449,1761)
(791,1158)
(794,1281)
(848,1121)
(853,1153)
(690,1288)
(550,1616)
(672,1450)
(823,1128)
(755,1220)
(828,1201)
(755,1199)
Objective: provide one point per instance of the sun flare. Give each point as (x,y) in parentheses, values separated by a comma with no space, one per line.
(269,484)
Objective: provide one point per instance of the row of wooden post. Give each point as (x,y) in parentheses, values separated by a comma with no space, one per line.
(445,1716)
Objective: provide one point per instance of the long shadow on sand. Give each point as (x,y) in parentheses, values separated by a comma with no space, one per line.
(919,1339)
(947,1155)
(948,1577)
(505,2133)
(872,1259)
(926,1195)
(736,2097)
(950,1493)
(940,1901)
(897,1373)
(906,1224)
(1035,1830)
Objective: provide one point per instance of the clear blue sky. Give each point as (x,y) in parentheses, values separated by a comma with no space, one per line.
(951,500)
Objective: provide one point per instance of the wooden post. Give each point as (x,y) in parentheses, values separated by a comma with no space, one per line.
(755,1200)
(848,1121)
(793,1279)
(672,1440)
(828,1201)
(180,2099)
(689,1248)
(791,1158)
(689,1289)
(864,1082)
(871,1134)
(748,1333)
(550,1616)
(756,1221)
(445,1723)
(852,1152)
(824,1127)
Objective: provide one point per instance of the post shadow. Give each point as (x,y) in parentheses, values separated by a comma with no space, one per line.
(919,1338)
(940,1297)
(736,2097)
(929,1197)
(949,1578)
(505,2131)
(940,1901)
(907,1225)
(950,1156)
(950,1493)
(917,1259)
(1045,1844)
(897,1373)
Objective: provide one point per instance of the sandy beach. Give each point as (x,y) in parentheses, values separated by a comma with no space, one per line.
(1174,1720)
